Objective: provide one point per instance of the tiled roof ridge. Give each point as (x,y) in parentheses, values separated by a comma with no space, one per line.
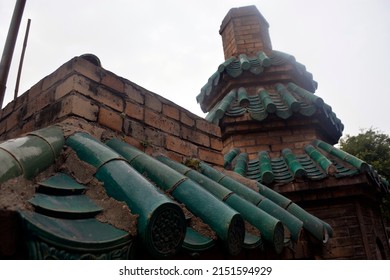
(113,162)
(284,101)
(237,65)
(319,161)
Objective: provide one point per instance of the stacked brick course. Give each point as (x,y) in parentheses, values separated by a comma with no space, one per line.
(350,204)
(244,31)
(83,94)
(81,90)
(272,136)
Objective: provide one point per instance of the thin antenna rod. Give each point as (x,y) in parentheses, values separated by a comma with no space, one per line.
(22,58)
(9,47)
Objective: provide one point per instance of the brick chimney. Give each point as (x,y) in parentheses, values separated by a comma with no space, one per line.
(245,31)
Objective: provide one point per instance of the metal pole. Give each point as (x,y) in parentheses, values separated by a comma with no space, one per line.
(22,59)
(9,47)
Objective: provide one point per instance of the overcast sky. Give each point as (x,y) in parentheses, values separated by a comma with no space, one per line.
(172,47)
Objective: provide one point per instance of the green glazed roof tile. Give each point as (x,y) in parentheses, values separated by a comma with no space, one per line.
(236,66)
(196,242)
(241,164)
(264,59)
(228,157)
(62,183)
(264,166)
(283,101)
(313,164)
(266,101)
(32,153)
(256,66)
(90,149)
(253,241)
(242,97)
(53,136)
(293,164)
(244,62)
(66,205)
(319,161)
(288,98)
(78,233)
(9,167)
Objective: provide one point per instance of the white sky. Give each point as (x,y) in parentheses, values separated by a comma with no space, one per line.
(172,47)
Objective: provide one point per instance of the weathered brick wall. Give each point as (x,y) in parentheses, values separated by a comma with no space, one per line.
(244,31)
(357,226)
(372,226)
(80,89)
(273,136)
(347,242)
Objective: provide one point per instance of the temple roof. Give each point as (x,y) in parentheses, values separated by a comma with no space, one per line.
(66,216)
(234,67)
(281,101)
(318,162)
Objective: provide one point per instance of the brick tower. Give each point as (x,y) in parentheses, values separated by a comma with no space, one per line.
(277,131)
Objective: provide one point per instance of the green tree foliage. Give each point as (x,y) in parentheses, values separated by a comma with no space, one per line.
(373,147)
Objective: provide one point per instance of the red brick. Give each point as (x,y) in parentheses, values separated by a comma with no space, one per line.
(153,103)
(161,122)
(38,103)
(253,156)
(134,128)
(134,142)
(278,147)
(211,156)
(300,145)
(282,132)
(12,120)
(268,140)
(171,111)
(195,136)
(21,100)
(110,119)
(61,73)
(274,154)
(240,141)
(340,252)
(228,141)
(65,87)
(293,138)
(135,111)
(8,109)
(154,137)
(216,144)
(76,105)
(29,126)
(187,120)
(89,88)
(35,90)
(256,149)
(14,133)
(227,148)
(176,144)
(134,94)
(45,99)
(29,109)
(208,127)
(73,83)
(108,98)
(87,69)
(114,82)
(3,127)
(174,156)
